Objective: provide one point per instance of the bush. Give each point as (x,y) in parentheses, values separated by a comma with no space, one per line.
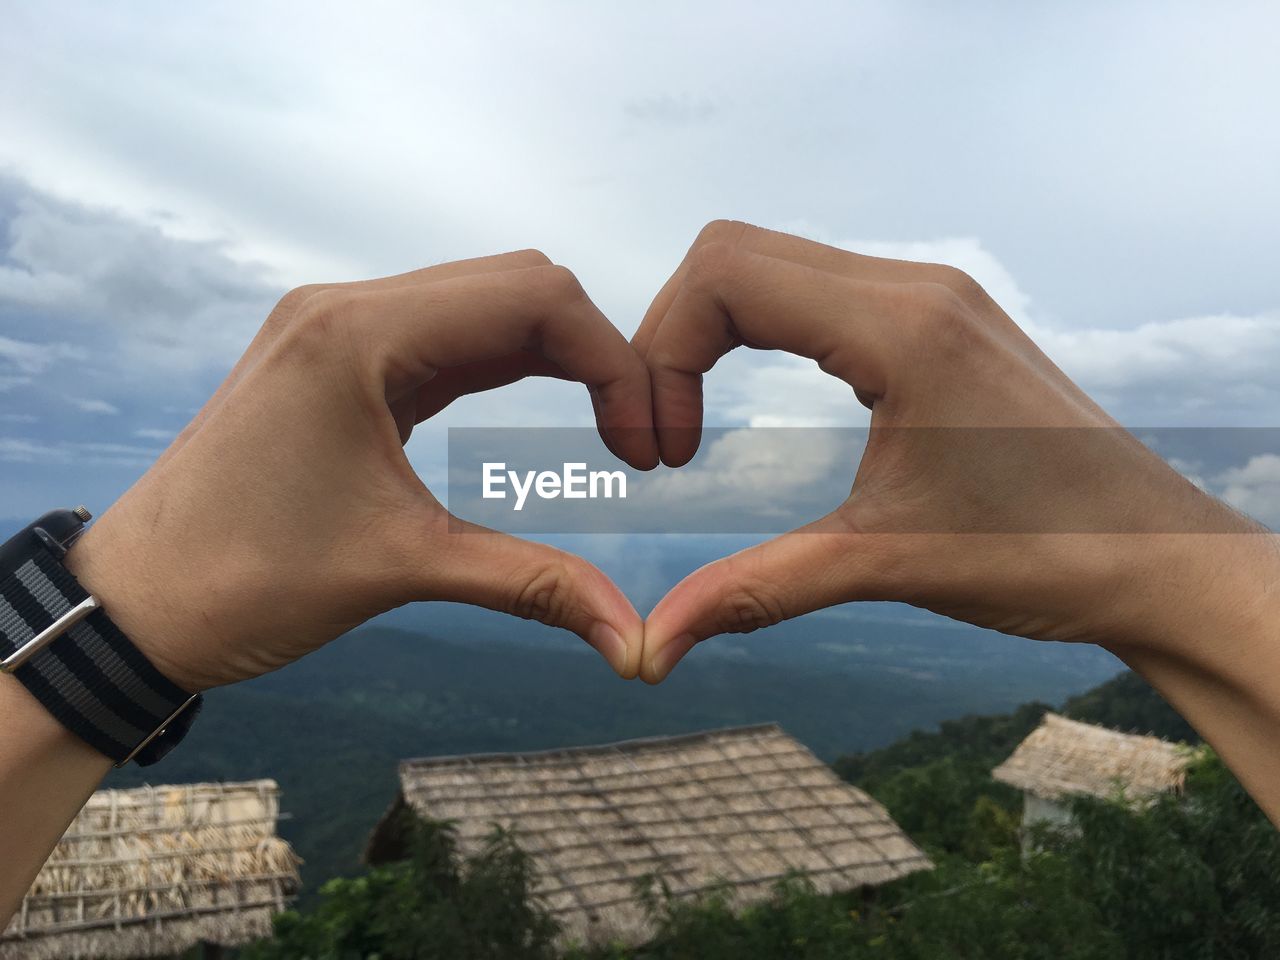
(428,906)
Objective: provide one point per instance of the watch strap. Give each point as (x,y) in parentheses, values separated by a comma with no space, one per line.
(92,678)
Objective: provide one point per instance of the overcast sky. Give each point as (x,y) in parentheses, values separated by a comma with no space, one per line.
(166,171)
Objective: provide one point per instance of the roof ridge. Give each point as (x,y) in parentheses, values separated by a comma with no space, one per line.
(634,743)
(1052,716)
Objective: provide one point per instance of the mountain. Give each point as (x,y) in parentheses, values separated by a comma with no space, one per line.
(332,727)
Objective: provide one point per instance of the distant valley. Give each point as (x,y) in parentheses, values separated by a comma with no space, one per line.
(447,679)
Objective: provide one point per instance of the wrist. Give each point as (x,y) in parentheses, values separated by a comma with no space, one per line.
(134,594)
(1210,601)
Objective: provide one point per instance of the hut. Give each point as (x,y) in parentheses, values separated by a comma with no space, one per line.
(154,871)
(1062,758)
(736,809)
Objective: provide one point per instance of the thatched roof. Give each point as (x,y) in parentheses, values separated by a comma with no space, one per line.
(1064,757)
(152,871)
(739,808)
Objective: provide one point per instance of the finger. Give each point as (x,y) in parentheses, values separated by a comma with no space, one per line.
(415,332)
(809,253)
(538,582)
(817,566)
(454,382)
(731,296)
(287,309)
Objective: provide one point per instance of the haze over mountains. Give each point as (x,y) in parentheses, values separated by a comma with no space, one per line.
(446,679)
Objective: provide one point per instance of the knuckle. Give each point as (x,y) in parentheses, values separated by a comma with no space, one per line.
(289,305)
(941,318)
(531,257)
(299,295)
(545,595)
(959,283)
(937,305)
(722,231)
(326,309)
(711,262)
(557,283)
(750,607)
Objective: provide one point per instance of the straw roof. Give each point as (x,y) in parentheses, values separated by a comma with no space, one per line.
(154,870)
(1063,757)
(737,809)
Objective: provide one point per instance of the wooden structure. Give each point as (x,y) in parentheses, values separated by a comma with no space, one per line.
(154,871)
(739,809)
(1063,758)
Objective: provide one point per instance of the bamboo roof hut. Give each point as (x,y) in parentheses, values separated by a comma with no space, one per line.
(153,871)
(1065,757)
(736,809)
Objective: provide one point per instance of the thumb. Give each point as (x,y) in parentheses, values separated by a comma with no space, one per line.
(538,582)
(815,566)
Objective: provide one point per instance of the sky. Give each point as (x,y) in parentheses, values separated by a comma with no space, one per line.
(1106,170)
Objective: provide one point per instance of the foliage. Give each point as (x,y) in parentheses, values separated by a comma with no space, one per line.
(1193,876)
(341,719)
(428,906)
(1187,877)
(1190,876)
(938,786)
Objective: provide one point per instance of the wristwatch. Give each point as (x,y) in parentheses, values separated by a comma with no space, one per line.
(57,639)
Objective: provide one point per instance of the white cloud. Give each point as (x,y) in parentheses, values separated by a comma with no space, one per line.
(18,450)
(761,473)
(35,358)
(1199,369)
(1254,488)
(1211,370)
(127,294)
(151,433)
(94,406)
(967,253)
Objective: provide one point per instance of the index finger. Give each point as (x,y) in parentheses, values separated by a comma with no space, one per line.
(799,250)
(419,330)
(729,296)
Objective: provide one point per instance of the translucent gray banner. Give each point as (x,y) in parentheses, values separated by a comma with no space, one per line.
(925,480)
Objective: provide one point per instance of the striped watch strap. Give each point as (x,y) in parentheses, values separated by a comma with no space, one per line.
(92,678)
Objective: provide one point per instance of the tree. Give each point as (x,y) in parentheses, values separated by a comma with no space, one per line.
(431,906)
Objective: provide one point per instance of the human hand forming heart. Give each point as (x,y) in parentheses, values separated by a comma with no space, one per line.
(992,489)
(287,513)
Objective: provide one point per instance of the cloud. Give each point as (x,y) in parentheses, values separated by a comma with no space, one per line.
(152,433)
(1213,370)
(95,406)
(671,110)
(967,253)
(22,361)
(93,454)
(1216,369)
(35,358)
(1254,488)
(121,289)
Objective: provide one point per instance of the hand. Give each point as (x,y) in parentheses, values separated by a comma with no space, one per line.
(287,512)
(1030,531)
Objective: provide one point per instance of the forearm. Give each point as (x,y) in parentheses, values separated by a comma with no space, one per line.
(1209,642)
(46,775)
(46,771)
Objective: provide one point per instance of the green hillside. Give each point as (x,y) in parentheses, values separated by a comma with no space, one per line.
(1190,876)
(332,727)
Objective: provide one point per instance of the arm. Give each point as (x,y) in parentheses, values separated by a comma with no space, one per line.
(992,489)
(287,512)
